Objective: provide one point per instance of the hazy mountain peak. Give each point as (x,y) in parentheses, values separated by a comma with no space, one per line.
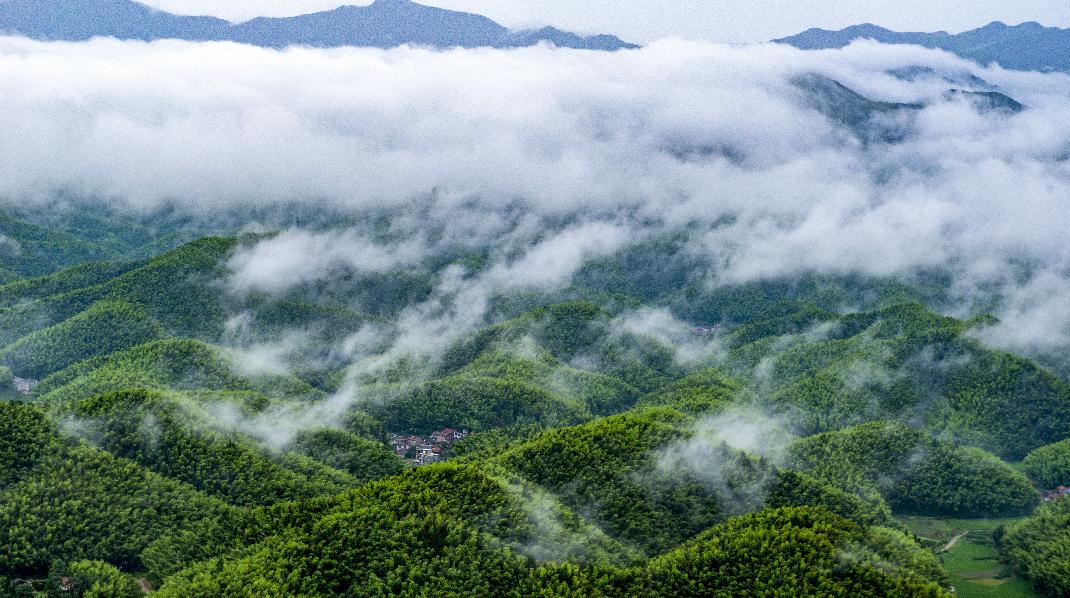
(869,27)
(1028,46)
(383,23)
(394,5)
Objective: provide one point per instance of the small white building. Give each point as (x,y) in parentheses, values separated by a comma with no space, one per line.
(24,385)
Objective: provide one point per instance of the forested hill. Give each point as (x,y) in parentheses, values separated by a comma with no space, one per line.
(186,436)
(383,24)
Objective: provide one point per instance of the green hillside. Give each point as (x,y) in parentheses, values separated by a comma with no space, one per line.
(914,472)
(168,364)
(909,364)
(756,439)
(171,437)
(105,328)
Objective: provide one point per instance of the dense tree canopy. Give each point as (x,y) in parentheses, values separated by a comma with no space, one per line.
(915,473)
(102,329)
(637,432)
(167,435)
(82,503)
(1049,465)
(1039,548)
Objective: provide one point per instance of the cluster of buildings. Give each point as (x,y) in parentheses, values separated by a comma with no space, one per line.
(423,450)
(24,385)
(67,585)
(1060,492)
(707,330)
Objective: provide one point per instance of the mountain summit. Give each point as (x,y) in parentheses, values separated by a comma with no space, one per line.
(1028,47)
(77,20)
(382,24)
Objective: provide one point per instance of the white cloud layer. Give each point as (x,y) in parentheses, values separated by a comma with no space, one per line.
(675,134)
(295,257)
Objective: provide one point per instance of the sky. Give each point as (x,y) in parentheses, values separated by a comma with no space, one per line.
(721,21)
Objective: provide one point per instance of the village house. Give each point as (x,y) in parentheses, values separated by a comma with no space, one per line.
(425,449)
(448,435)
(425,455)
(707,330)
(24,385)
(1060,492)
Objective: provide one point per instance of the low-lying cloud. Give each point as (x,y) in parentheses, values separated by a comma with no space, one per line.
(296,257)
(609,146)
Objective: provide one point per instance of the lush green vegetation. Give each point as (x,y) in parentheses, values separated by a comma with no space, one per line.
(95,579)
(170,364)
(82,503)
(102,329)
(1049,466)
(752,555)
(45,239)
(568,331)
(42,249)
(968,550)
(26,436)
(915,473)
(217,443)
(643,479)
(905,363)
(177,288)
(609,469)
(168,436)
(65,281)
(1039,546)
(7,383)
(479,403)
(705,391)
(600,393)
(360,457)
(461,532)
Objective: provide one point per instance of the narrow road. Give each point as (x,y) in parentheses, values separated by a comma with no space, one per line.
(952,543)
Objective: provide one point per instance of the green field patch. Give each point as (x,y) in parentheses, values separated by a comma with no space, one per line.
(973,562)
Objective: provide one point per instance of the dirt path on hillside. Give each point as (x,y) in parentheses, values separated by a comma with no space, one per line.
(952,543)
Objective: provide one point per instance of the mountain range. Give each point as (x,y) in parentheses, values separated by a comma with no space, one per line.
(391,23)
(1029,46)
(383,24)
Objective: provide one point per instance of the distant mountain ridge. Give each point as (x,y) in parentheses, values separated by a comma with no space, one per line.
(1029,46)
(383,24)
